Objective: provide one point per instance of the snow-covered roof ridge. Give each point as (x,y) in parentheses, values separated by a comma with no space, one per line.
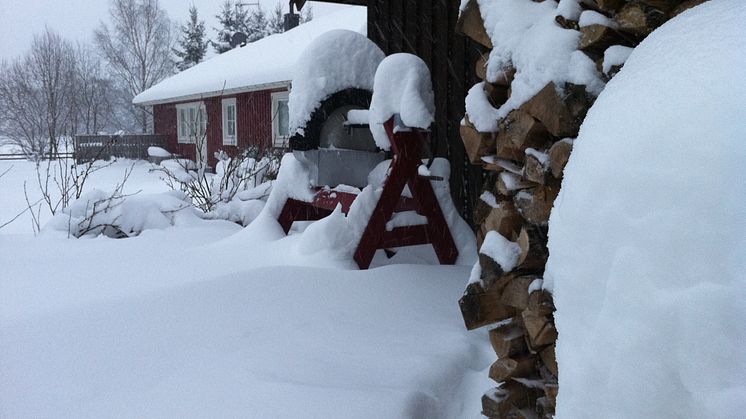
(259,65)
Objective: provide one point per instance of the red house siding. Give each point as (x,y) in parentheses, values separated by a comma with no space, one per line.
(254,124)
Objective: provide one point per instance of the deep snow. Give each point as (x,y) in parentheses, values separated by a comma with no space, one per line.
(207,319)
(647,239)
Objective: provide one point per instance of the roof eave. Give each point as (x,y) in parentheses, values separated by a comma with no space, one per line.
(216,93)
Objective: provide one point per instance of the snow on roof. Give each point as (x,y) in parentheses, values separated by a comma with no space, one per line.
(260,64)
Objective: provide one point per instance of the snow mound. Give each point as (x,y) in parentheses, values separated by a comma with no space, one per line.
(158,152)
(648,239)
(526,37)
(402,86)
(335,61)
(112,214)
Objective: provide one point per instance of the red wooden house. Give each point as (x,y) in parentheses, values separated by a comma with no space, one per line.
(237,99)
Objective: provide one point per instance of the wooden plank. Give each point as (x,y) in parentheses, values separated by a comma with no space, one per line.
(404,236)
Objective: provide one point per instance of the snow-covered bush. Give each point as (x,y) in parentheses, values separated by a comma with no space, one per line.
(242,172)
(116,215)
(647,239)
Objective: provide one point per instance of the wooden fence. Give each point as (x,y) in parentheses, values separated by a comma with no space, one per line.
(95,147)
(21,156)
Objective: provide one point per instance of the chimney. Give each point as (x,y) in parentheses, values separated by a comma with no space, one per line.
(292,19)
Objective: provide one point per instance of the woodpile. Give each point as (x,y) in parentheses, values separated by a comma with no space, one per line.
(523,164)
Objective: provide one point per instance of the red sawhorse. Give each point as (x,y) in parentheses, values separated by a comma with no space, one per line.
(406,146)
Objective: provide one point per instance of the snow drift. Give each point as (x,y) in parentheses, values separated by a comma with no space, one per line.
(648,240)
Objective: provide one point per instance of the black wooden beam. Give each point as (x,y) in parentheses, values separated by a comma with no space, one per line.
(299,3)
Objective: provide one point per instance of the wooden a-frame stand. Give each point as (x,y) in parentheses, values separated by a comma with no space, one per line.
(406,146)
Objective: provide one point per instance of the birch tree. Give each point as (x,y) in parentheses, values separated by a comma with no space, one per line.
(137,45)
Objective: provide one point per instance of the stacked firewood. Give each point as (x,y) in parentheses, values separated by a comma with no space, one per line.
(524,162)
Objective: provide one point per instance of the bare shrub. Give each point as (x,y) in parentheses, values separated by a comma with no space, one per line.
(247,169)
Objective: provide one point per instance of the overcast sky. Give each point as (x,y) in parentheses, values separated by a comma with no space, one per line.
(76,19)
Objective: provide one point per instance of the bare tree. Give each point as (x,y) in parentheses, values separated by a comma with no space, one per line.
(93,97)
(35,95)
(137,46)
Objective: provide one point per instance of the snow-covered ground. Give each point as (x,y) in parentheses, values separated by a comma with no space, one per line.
(212,320)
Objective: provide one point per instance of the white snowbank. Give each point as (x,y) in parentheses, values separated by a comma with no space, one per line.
(265,63)
(402,86)
(647,239)
(190,324)
(526,37)
(335,61)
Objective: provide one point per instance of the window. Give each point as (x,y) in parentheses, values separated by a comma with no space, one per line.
(280,119)
(191,119)
(229,122)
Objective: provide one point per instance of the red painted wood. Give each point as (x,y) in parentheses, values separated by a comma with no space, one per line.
(407,147)
(324,203)
(295,210)
(253,124)
(405,236)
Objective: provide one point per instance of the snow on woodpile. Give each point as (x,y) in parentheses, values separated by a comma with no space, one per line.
(526,38)
(615,56)
(501,250)
(648,240)
(402,86)
(335,61)
(269,61)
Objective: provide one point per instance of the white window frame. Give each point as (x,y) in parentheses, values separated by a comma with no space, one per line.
(230,139)
(277,139)
(187,130)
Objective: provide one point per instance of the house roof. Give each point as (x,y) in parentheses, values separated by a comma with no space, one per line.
(260,65)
